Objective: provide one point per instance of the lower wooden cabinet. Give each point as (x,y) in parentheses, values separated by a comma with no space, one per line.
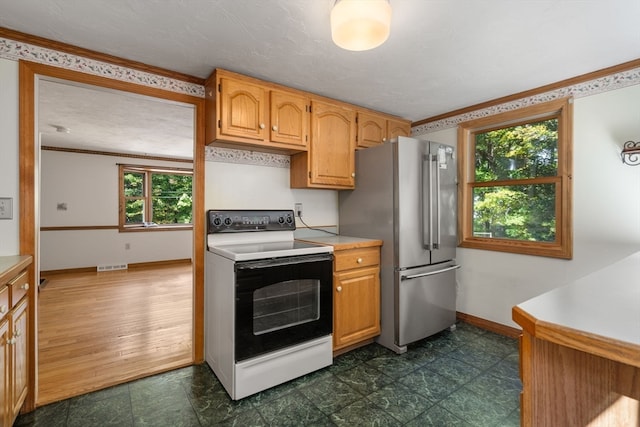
(356,296)
(14,370)
(19,374)
(5,373)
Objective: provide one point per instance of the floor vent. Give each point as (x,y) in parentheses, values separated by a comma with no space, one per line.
(111,267)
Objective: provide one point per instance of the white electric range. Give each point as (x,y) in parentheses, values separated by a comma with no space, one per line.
(268,301)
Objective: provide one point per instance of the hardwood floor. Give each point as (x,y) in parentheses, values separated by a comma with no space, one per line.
(100,329)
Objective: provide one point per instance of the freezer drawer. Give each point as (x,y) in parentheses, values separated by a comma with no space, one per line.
(426,302)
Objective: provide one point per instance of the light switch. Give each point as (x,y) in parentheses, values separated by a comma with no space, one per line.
(6,208)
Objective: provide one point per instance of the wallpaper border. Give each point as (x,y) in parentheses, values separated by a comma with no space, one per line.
(245,157)
(580,90)
(16,50)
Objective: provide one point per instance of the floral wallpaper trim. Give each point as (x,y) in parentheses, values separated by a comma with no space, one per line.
(14,50)
(228,155)
(579,90)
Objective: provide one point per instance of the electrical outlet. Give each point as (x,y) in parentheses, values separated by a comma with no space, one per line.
(6,208)
(299,210)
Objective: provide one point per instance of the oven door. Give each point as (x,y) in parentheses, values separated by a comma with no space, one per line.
(282,302)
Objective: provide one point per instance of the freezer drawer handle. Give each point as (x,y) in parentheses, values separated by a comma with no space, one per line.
(431,273)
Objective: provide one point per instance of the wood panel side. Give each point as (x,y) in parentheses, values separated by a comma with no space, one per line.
(28,240)
(199,230)
(574,388)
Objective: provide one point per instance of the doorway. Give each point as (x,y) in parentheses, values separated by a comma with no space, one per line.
(30,74)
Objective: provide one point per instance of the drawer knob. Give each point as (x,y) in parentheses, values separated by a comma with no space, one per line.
(359,260)
(17,333)
(339,288)
(275,128)
(261,125)
(25,286)
(11,341)
(353,174)
(3,309)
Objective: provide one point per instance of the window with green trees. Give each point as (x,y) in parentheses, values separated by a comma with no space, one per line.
(515,192)
(155,198)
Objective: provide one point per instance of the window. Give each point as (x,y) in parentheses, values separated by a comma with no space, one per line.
(515,181)
(153,198)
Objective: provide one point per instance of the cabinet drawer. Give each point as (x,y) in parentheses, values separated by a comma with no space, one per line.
(4,301)
(18,288)
(355,258)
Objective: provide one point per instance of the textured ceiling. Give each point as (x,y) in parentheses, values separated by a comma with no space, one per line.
(441,55)
(109,120)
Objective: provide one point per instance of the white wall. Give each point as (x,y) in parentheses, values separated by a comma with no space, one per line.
(241,186)
(88,184)
(606,213)
(9,228)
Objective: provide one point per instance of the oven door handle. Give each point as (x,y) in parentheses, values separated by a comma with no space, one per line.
(276,262)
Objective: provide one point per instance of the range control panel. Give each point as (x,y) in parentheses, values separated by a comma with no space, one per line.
(234,221)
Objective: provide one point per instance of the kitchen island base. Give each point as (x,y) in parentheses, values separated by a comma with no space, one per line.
(567,387)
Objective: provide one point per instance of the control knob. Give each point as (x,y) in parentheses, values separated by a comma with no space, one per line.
(227,221)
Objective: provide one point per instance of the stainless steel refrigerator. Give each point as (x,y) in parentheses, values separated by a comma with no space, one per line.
(405,195)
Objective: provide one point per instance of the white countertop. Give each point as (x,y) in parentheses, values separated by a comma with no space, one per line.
(605,303)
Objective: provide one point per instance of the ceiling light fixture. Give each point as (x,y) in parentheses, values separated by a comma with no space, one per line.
(360,24)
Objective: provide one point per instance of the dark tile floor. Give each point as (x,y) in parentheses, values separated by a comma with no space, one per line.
(465,377)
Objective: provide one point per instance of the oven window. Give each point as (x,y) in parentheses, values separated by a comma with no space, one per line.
(285,304)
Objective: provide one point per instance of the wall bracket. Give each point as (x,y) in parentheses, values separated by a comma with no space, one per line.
(631,153)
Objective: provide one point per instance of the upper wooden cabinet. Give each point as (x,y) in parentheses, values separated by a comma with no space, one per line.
(398,127)
(289,118)
(321,134)
(375,129)
(330,161)
(246,112)
(242,109)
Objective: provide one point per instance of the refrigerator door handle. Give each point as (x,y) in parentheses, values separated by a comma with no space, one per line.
(430,273)
(436,245)
(427,223)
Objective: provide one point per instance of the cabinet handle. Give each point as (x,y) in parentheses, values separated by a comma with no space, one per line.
(384,139)
(359,260)
(275,128)
(353,174)
(261,125)
(339,288)
(3,309)
(11,341)
(25,287)
(17,333)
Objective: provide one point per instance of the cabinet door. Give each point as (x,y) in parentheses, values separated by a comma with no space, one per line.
(332,148)
(396,128)
(242,109)
(356,306)
(5,415)
(372,130)
(289,118)
(19,371)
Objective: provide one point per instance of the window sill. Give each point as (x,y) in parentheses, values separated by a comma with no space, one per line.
(130,229)
(552,250)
